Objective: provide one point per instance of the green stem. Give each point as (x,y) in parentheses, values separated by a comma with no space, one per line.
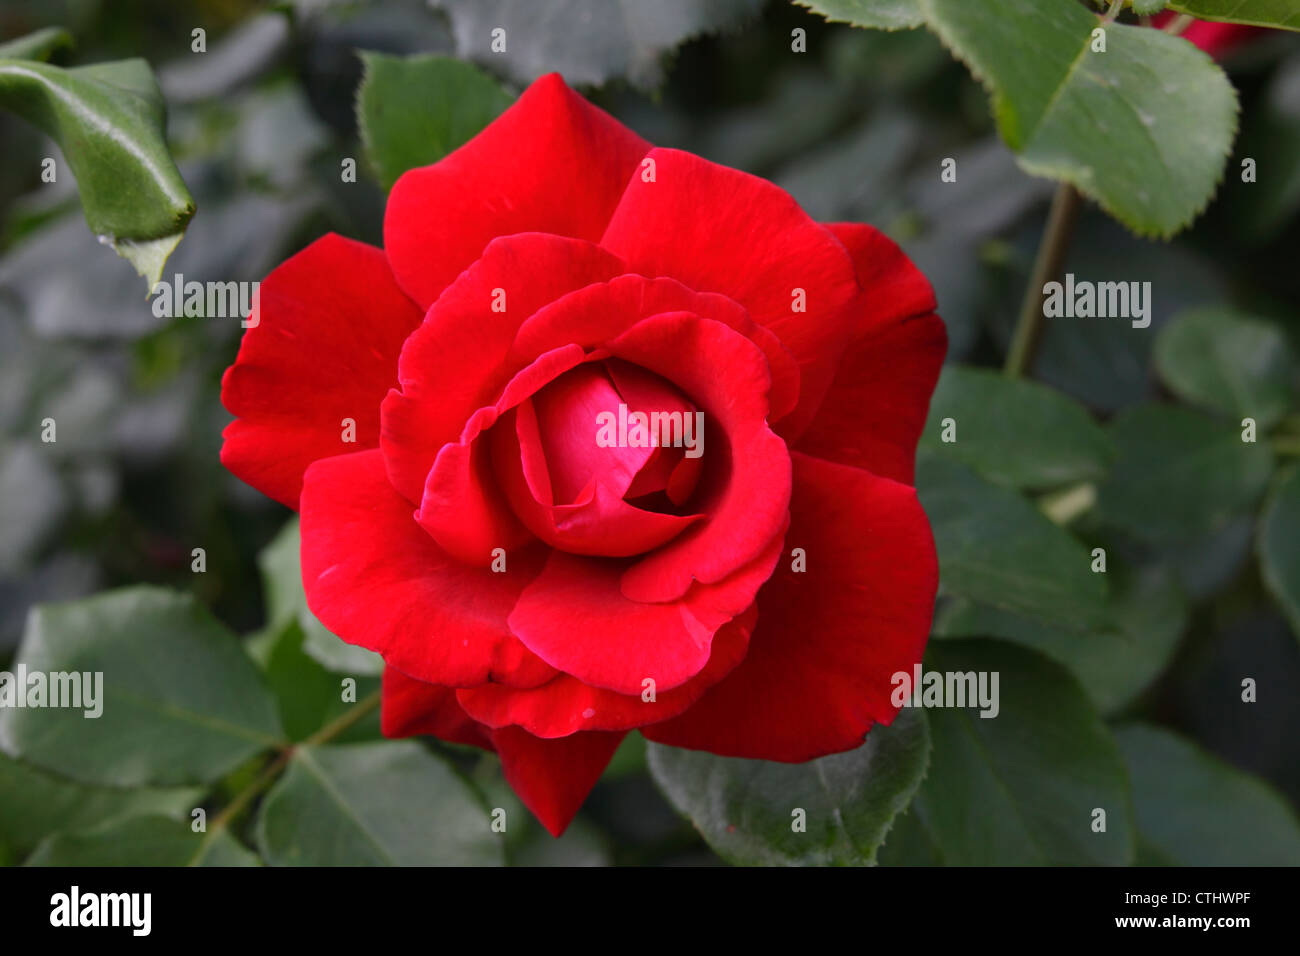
(1180,23)
(1048,265)
(273,769)
(341,723)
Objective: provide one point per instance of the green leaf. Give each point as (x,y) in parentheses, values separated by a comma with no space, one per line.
(309,696)
(414,110)
(286,601)
(876,14)
(1226,362)
(35,804)
(1144,128)
(1021,788)
(907,843)
(1282,14)
(143,841)
(998,549)
(1114,663)
(374,805)
(1278,545)
(110,123)
(181,702)
(1014,432)
(39,45)
(1147,8)
(588,41)
(747,809)
(1179,475)
(1195,810)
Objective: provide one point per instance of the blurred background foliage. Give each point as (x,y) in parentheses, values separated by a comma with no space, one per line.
(855,129)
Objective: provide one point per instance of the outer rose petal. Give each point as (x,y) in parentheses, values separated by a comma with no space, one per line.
(552,163)
(455,362)
(330,322)
(721,230)
(892,288)
(553,777)
(873,414)
(566,705)
(828,640)
(409,707)
(575,617)
(376,579)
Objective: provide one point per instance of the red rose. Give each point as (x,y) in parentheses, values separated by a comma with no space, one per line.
(533,591)
(1215,39)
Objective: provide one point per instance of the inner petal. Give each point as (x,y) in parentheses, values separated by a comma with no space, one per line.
(582,470)
(567,412)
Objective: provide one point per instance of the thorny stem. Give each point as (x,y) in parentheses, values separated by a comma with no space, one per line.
(273,769)
(1048,265)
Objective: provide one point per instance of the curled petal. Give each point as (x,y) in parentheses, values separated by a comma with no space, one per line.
(455,362)
(463,507)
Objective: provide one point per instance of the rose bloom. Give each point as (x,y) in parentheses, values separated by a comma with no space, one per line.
(433,410)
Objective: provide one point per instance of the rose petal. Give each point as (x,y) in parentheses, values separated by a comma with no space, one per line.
(410,707)
(566,414)
(565,705)
(829,639)
(746,489)
(330,322)
(454,363)
(553,777)
(552,162)
(599,522)
(375,578)
(873,414)
(575,616)
(598,313)
(722,230)
(463,507)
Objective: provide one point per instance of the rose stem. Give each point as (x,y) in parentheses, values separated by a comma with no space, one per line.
(1047,266)
(273,769)
(1051,256)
